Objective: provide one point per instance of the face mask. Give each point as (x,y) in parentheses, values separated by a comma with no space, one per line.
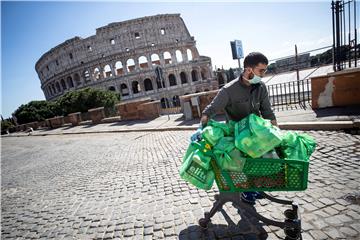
(256,79)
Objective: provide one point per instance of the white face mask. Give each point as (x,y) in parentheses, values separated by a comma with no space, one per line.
(256,79)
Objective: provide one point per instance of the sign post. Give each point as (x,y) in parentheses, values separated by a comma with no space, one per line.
(237,51)
(159,77)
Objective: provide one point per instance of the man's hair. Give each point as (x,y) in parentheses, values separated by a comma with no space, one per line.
(254,59)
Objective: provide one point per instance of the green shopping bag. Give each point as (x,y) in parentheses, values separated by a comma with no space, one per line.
(227,156)
(196,168)
(212,134)
(256,136)
(297,146)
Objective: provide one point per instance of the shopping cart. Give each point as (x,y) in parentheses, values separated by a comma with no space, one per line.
(261,175)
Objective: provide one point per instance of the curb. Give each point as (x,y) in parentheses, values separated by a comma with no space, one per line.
(302,126)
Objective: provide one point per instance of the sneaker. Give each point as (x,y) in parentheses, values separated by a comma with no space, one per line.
(250,197)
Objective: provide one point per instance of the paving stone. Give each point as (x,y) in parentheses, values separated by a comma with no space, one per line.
(318,235)
(349,232)
(112,185)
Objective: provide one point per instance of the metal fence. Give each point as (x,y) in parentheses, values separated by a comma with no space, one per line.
(290,95)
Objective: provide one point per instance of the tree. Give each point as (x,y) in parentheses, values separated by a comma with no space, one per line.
(85,99)
(36,111)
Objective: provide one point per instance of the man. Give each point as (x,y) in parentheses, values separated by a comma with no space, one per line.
(243,96)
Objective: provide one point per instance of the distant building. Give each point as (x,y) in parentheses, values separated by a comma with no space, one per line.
(289,64)
(122,57)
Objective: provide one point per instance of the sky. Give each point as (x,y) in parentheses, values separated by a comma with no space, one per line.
(29,29)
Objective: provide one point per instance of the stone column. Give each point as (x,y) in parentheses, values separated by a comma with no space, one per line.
(173,57)
(162,59)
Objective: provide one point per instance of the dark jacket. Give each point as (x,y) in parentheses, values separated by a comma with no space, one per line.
(239,100)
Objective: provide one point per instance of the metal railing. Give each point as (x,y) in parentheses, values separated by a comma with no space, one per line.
(290,95)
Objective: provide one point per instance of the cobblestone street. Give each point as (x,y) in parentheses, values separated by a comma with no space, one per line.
(127,186)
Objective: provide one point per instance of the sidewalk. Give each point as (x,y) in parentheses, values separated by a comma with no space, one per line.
(296,119)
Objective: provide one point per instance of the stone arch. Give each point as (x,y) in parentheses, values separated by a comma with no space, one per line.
(107,71)
(148,84)
(63,85)
(143,62)
(176,101)
(96,73)
(77,79)
(189,54)
(160,84)
(50,90)
(178,55)
(70,82)
(167,58)
(183,77)
(204,73)
(172,80)
(155,60)
(130,65)
(194,76)
(124,90)
(57,87)
(112,88)
(135,87)
(119,69)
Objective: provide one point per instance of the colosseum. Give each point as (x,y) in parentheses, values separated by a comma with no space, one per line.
(122,57)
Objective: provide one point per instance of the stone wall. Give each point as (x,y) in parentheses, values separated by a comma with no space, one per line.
(124,61)
(336,89)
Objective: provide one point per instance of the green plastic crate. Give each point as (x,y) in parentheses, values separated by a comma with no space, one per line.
(260,174)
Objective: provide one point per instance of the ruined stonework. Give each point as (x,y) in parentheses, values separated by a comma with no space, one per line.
(122,57)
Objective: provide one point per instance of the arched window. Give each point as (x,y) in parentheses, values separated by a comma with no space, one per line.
(112,88)
(155,60)
(148,84)
(130,64)
(97,73)
(183,77)
(203,73)
(86,76)
(107,71)
(172,80)
(77,79)
(194,75)
(189,54)
(70,82)
(119,68)
(167,57)
(50,90)
(143,63)
(53,88)
(179,57)
(176,101)
(63,84)
(58,87)
(135,87)
(124,90)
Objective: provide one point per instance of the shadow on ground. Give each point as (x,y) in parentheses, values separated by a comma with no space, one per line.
(338,111)
(247,228)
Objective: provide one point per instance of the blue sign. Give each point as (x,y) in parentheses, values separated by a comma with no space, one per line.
(237,49)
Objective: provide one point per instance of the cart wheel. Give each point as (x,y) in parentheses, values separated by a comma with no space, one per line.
(292,234)
(203,223)
(290,214)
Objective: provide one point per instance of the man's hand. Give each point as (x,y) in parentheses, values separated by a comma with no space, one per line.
(274,122)
(204,120)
